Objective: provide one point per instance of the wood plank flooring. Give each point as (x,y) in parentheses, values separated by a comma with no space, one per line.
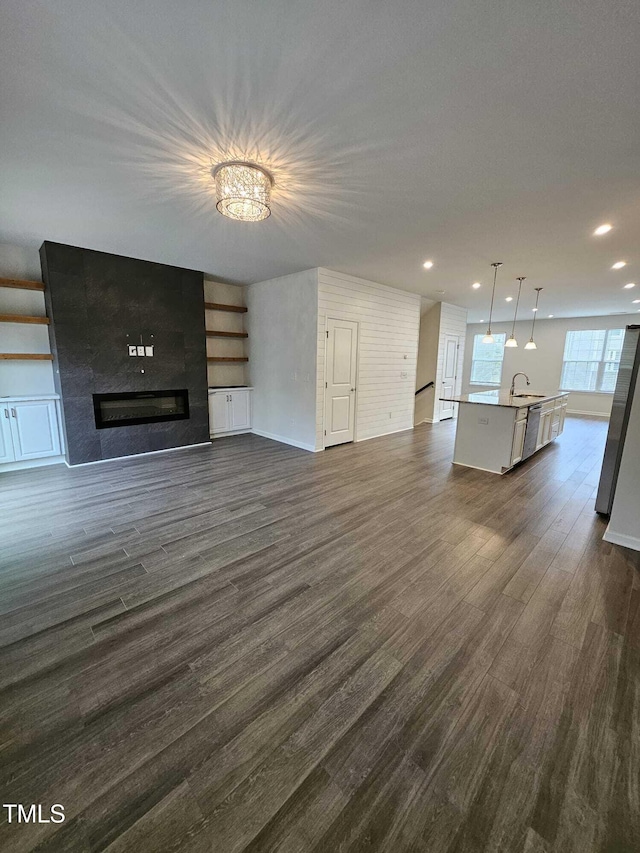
(247,647)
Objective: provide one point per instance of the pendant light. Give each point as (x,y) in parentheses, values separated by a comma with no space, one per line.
(488,338)
(511,341)
(531,344)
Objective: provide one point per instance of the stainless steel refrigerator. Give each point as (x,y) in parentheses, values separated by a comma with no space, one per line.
(622,400)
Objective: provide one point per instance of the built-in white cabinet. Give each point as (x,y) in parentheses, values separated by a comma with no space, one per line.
(30,429)
(520,428)
(229,411)
(551,421)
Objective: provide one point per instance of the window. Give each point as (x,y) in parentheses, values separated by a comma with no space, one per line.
(486,363)
(591,360)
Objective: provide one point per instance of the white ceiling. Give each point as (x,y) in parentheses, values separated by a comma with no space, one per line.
(465,131)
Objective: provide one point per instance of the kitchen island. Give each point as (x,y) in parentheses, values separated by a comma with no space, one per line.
(498,429)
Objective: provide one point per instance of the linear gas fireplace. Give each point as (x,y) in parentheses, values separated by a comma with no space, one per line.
(140,407)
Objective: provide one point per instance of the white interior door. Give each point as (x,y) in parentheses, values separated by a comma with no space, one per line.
(449,373)
(341,361)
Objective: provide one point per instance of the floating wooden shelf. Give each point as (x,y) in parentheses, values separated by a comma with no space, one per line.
(217,306)
(22,284)
(23,318)
(213,334)
(26,356)
(224,358)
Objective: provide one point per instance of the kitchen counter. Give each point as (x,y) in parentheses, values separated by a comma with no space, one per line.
(502,397)
(496,430)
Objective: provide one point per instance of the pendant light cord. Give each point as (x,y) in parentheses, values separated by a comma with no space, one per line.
(513,328)
(535,313)
(493,292)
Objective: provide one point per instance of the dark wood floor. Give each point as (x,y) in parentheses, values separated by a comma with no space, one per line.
(250,647)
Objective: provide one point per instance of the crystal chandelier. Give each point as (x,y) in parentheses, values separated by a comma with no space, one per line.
(243,191)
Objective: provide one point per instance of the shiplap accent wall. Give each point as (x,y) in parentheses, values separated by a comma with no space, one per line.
(453,321)
(388,325)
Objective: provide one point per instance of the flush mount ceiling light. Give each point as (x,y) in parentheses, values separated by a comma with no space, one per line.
(618,265)
(602,229)
(630,285)
(488,338)
(243,190)
(427,265)
(475,285)
(512,342)
(531,344)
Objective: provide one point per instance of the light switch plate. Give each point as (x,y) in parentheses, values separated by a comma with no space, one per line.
(140,350)
(133,350)
(148,351)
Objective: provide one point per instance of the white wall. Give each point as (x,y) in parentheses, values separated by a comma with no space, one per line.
(442,319)
(624,523)
(544,364)
(388,324)
(282,320)
(427,364)
(23,377)
(224,374)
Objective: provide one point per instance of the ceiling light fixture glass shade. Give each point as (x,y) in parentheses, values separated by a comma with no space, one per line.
(511,341)
(243,191)
(531,344)
(488,338)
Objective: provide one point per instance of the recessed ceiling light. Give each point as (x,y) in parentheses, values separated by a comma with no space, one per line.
(602,229)
(550,316)
(630,285)
(635,301)
(508,299)
(618,265)
(427,265)
(475,285)
(534,309)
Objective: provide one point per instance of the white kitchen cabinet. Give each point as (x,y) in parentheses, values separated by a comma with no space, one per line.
(30,429)
(6,441)
(519,431)
(229,411)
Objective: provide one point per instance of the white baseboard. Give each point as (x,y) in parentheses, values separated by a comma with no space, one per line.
(136,455)
(213,435)
(31,463)
(590,414)
(623,539)
(283,439)
(380,434)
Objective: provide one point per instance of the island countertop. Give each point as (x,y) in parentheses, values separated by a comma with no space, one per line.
(502,397)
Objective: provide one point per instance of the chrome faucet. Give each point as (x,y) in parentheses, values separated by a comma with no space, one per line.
(513,382)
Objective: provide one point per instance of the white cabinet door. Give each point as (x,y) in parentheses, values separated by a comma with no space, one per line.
(518,441)
(239,410)
(6,442)
(219,412)
(34,428)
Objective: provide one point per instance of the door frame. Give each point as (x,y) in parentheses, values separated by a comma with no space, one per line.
(455,378)
(324,390)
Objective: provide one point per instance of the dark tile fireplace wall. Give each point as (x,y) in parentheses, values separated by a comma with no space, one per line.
(99,304)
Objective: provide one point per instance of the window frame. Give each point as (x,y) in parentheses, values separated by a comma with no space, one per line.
(601,361)
(481,335)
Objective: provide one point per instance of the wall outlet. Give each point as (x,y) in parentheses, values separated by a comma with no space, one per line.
(403,374)
(133,350)
(484,421)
